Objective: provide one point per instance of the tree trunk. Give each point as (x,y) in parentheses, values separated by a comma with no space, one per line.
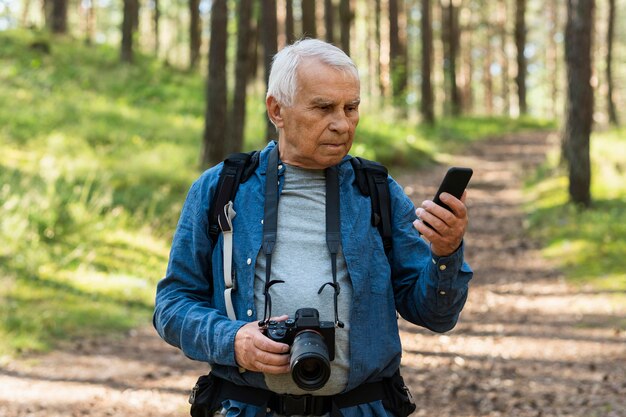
(397,54)
(345,19)
(238,119)
(610,34)
(216,113)
(309,29)
(136,16)
(579,118)
(504,57)
(378,37)
(270,47)
(290,31)
(451,41)
(428,100)
(553,60)
(56,15)
(126,54)
(156,17)
(329,21)
(195,33)
(488,61)
(520,44)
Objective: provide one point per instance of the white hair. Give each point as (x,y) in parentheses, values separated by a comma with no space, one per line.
(283,82)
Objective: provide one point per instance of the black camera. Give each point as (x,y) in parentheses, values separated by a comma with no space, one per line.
(312,346)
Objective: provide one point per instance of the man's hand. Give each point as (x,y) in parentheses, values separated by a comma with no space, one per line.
(256,352)
(448,227)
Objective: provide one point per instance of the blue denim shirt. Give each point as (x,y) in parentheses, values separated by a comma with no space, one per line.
(426,290)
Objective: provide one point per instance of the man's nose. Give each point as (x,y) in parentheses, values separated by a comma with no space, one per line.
(340,122)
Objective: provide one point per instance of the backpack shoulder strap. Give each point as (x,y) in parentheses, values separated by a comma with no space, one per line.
(238,167)
(371,179)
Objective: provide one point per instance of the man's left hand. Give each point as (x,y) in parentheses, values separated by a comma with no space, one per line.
(448,227)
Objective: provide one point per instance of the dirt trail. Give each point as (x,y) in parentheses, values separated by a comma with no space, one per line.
(527,344)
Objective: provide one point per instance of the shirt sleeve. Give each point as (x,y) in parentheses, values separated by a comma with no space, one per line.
(429,291)
(185,315)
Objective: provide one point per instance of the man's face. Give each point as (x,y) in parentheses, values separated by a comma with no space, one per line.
(317,130)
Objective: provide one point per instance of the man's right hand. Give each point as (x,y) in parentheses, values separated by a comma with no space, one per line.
(256,352)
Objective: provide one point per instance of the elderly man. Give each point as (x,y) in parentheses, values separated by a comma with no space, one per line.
(347,342)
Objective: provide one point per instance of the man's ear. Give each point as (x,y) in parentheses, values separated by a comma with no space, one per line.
(274,111)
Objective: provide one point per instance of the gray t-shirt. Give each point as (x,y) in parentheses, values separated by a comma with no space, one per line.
(302,260)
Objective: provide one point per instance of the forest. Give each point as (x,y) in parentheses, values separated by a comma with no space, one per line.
(109,110)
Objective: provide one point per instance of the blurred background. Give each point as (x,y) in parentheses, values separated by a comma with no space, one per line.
(110,109)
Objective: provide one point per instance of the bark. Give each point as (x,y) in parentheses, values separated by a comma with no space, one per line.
(579,117)
(488,60)
(451,41)
(378,37)
(289,26)
(195,33)
(345,18)
(397,54)
(553,57)
(156,17)
(56,15)
(238,119)
(126,54)
(504,57)
(270,46)
(610,35)
(520,44)
(329,24)
(216,114)
(309,28)
(427,103)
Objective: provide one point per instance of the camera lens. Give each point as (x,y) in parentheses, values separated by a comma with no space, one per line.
(310,364)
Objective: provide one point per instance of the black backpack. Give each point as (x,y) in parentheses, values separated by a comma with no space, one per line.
(371,178)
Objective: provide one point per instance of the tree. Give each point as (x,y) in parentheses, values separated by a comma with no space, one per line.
(270,47)
(309,28)
(329,13)
(56,15)
(427,103)
(128,30)
(520,44)
(156,17)
(610,34)
(579,117)
(451,36)
(242,65)
(397,53)
(488,56)
(216,113)
(345,21)
(290,32)
(195,33)
(504,56)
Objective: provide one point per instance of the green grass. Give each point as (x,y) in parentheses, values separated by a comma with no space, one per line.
(590,245)
(96,158)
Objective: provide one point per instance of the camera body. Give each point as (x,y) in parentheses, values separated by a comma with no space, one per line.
(305,319)
(312,346)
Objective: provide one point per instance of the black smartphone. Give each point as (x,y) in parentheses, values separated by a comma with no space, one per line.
(454,182)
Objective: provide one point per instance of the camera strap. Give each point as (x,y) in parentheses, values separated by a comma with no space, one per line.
(270,226)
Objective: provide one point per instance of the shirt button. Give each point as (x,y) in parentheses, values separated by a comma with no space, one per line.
(442,267)
(249,312)
(442,292)
(261,221)
(280,167)
(249,261)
